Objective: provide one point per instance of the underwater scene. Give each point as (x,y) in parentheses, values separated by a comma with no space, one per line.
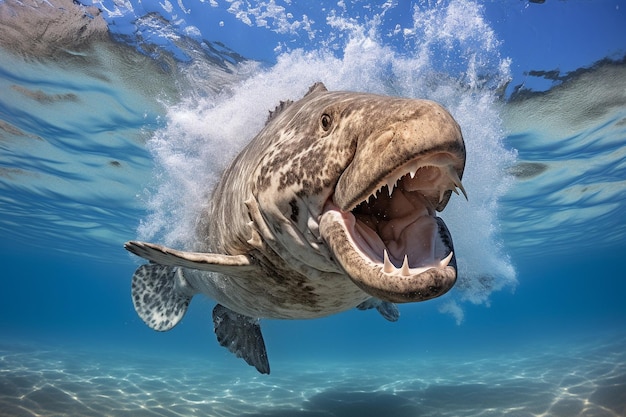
(500,291)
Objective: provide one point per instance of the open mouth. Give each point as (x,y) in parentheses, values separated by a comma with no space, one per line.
(392,244)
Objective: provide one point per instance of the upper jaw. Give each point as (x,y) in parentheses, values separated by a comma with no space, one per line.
(438,177)
(428,138)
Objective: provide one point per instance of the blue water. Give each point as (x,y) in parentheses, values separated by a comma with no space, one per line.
(98,143)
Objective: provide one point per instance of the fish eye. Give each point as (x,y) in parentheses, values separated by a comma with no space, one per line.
(326,121)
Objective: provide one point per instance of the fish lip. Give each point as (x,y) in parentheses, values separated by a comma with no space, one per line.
(365,258)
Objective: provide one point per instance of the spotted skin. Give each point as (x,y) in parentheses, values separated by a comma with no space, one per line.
(157,300)
(260,249)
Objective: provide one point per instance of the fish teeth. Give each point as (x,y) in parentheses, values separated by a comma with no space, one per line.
(456,181)
(391,184)
(405,270)
(413,169)
(463,191)
(441,194)
(444,262)
(456,185)
(388,267)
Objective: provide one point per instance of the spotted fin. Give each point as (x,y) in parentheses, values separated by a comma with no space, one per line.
(386,309)
(160,295)
(242,336)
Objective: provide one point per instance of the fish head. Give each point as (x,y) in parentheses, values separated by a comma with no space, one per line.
(352,183)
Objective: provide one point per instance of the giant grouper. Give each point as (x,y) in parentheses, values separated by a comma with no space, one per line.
(331,206)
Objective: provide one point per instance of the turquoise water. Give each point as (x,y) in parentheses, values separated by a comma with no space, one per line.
(121,138)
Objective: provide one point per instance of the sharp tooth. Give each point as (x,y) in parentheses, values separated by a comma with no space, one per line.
(388,267)
(462,190)
(413,169)
(405,267)
(391,184)
(441,194)
(444,262)
(456,181)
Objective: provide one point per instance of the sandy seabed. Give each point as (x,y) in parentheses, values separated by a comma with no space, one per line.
(571,380)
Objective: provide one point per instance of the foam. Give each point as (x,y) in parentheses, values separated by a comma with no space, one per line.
(441,61)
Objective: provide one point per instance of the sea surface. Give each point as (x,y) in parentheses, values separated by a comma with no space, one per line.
(117,118)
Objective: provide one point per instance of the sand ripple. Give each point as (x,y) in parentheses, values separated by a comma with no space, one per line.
(571,380)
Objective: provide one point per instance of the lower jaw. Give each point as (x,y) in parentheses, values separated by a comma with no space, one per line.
(420,284)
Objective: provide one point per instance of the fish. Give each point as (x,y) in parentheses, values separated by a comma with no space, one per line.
(331,206)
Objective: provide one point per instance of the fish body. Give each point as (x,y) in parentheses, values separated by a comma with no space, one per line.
(331,206)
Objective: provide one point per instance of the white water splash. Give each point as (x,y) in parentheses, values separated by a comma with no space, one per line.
(450,56)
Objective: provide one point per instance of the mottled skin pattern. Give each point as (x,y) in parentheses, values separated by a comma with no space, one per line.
(288,161)
(266,209)
(331,206)
(269,200)
(163,304)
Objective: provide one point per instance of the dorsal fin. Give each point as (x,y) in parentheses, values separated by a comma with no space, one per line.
(318,86)
(278,110)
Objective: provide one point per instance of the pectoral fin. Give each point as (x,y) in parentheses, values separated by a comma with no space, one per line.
(225,264)
(160,295)
(386,309)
